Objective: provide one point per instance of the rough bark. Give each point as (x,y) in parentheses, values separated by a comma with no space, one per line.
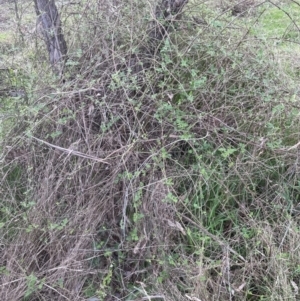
(167,12)
(241,8)
(49,21)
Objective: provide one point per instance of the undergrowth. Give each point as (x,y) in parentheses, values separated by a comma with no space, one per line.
(173,180)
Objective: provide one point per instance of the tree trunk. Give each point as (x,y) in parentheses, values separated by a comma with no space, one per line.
(166,13)
(49,21)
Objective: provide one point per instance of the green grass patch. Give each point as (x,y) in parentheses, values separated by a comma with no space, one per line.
(5,37)
(279,22)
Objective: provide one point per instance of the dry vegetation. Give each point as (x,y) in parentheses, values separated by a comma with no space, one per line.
(172,180)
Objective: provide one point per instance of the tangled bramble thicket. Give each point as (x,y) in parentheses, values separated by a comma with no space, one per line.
(164,167)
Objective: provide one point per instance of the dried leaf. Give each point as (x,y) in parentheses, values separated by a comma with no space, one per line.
(240,287)
(177,226)
(140,245)
(295,287)
(192,298)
